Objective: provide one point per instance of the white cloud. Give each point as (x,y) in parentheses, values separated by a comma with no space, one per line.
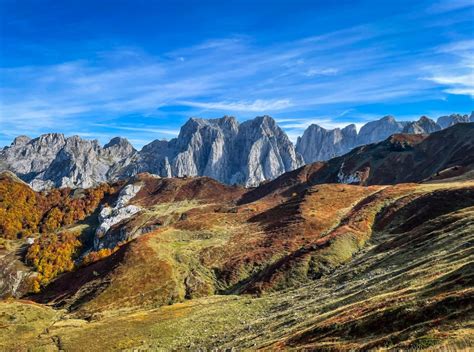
(321,72)
(455,80)
(457,74)
(300,124)
(258,105)
(232,75)
(461,91)
(149,129)
(442,6)
(457,47)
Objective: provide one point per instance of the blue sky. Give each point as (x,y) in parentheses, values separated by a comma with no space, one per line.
(140,69)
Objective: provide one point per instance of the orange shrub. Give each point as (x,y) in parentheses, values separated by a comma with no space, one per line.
(93,257)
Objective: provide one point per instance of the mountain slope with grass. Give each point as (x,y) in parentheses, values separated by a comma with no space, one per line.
(409,286)
(297,263)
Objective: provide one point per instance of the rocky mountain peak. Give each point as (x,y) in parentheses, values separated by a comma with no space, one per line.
(248,153)
(388,118)
(350,128)
(261,126)
(423,125)
(450,120)
(378,130)
(223,149)
(20,141)
(118,141)
(318,143)
(77,142)
(119,147)
(266,122)
(51,137)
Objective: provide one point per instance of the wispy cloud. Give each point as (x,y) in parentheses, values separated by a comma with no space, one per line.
(328,75)
(321,72)
(326,123)
(148,129)
(258,105)
(457,76)
(294,127)
(442,6)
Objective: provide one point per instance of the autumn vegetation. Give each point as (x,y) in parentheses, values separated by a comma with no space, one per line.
(51,255)
(95,256)
(19,211)
(24,212)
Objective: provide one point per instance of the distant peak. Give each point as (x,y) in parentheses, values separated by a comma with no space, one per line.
(350,129)
(388,118)
(120,141)
(20,140)
(315,126)
(265,119)
(50,138)
(424,119)
(52,135)
(228,118)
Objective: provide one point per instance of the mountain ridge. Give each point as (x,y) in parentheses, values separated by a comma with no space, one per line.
(247,153)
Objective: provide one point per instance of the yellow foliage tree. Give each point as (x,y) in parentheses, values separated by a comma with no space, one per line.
(53,254)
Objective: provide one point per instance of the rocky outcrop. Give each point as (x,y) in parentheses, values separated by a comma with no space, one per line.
(110,216)
(446,121)
(14,275)
(205,147)
(423,125)
(319,144)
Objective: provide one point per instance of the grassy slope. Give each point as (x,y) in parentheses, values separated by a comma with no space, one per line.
(409,286)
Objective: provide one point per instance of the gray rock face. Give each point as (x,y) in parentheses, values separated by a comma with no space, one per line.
(376,131)
(110,216)
(249,153)
(204,147)
(21,140)
(446,121)
(318,143)
(13,276)
(423,125)
(52,160)
(262,151)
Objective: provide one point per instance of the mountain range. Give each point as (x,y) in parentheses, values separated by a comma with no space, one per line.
(369,250)
(317,143)
(247,153)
